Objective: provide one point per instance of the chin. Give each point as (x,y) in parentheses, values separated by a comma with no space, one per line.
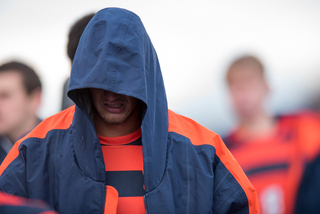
(115,121)
(245,112)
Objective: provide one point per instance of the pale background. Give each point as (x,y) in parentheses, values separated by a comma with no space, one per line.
(195,40)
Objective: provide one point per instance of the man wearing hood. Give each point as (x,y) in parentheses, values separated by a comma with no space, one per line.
(119,149)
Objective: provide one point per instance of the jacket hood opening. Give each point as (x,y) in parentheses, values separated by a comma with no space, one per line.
(115,54)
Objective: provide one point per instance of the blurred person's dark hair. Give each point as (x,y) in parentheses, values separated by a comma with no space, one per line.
(75,34)
(31,80)
(246,61)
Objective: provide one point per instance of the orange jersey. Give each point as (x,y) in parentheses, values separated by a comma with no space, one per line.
(274,164)
(124,170)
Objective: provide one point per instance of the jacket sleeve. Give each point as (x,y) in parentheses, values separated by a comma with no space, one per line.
(232,191)
(13,172)
(19,163)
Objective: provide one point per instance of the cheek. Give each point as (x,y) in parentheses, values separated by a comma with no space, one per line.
(247,96)
(14,111)
(17,106)
(97,98)
(132,102)
(240,94)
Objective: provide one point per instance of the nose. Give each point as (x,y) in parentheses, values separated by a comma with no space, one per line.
(111,96)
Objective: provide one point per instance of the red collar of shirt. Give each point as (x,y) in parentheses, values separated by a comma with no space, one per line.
(115,141)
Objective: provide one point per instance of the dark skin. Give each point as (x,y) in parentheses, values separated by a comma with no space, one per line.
(115,114)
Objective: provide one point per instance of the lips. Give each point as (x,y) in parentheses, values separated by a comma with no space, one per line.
(114,108)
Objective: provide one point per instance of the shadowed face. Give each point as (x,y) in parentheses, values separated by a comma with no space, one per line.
(114,109)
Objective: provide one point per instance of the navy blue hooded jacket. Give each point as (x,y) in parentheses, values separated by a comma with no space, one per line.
(187,168)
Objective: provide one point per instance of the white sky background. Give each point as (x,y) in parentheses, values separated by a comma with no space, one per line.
(195,40)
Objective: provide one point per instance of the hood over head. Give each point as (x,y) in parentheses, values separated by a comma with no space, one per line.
(115,53)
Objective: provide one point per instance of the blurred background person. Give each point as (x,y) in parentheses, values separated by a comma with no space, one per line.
(75,33)
(271,150)
(20,96)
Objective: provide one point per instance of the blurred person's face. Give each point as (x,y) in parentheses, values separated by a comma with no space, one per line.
(16,106)
(248,89)
(114,109)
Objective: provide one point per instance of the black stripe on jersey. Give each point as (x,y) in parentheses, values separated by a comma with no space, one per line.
(135,143)
(127,183)
(268,168)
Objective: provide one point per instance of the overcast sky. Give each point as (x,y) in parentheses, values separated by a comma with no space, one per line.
(195,41)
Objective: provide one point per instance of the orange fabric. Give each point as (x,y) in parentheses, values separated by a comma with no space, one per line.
(199,135)
(6,199)
(114,141)
(62,120)
(130,156)
(294,141)
(309,126)
(269,151)
(48,212)
(111,203)
(120,157)
(131,202)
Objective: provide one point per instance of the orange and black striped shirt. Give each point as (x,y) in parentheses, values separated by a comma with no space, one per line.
(124,170)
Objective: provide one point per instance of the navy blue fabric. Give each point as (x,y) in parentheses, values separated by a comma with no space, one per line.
(115,53)
(127,183)
(49,169)
(308,197)
(267,168)
(6,209)
(66,168)
(5,140)
(195,181)
(3,154)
